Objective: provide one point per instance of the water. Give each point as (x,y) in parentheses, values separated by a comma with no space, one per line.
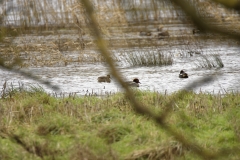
(82,78)
(59,59)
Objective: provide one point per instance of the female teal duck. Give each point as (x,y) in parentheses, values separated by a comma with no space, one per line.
(183,74)
(142,33)
(104,79)
(163,35)
(160,28)
(134,83)
(195,31)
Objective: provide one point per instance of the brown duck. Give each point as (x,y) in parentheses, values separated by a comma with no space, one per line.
(104,79)
(142,33)
(163,34)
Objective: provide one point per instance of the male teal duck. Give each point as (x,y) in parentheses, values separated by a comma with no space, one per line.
(183,74)
(134,83)
(104,79)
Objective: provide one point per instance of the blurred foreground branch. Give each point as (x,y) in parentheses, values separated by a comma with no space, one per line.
(232,4)
(26,74)
(18,60)
(202,23)
(139,108)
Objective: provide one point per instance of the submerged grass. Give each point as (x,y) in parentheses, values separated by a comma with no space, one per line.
(34,125)
(147,58)
(210,61)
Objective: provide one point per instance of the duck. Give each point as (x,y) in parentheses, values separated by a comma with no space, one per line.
(163,34)
(134,83)
(159,28)
(183,74)
(195,31)
(142,33)
(104,79)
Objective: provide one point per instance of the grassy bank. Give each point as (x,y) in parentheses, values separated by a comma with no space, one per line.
(34,125)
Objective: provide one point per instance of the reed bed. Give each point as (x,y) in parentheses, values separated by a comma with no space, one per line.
(210,61)
(146,58)
(8,89)
(115,19)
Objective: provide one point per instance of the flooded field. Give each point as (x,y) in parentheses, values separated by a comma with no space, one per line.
(69,58)
(81,77)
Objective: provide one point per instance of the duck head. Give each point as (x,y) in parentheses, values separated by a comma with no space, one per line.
(181,72)
(136,80)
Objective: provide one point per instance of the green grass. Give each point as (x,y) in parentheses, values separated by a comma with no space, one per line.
(34,125)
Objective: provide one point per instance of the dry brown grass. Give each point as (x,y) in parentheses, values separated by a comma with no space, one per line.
(119,22)
(35,148)
(165,152)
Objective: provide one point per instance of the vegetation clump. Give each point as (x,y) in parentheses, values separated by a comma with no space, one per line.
(147,58)
(210,61)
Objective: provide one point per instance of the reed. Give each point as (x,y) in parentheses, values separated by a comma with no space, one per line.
(8,89)
(210,61)
(147,58)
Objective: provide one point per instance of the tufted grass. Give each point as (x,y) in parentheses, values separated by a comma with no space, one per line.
(147,58)
(210,61)
(34,125)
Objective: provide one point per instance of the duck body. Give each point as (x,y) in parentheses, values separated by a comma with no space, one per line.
(104,79)
(159,28)
(163,34)
(195,31)
(183,74)
(134,83)
(142,33)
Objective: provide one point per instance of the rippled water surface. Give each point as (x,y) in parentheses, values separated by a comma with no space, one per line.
(82,78)
(60,59)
